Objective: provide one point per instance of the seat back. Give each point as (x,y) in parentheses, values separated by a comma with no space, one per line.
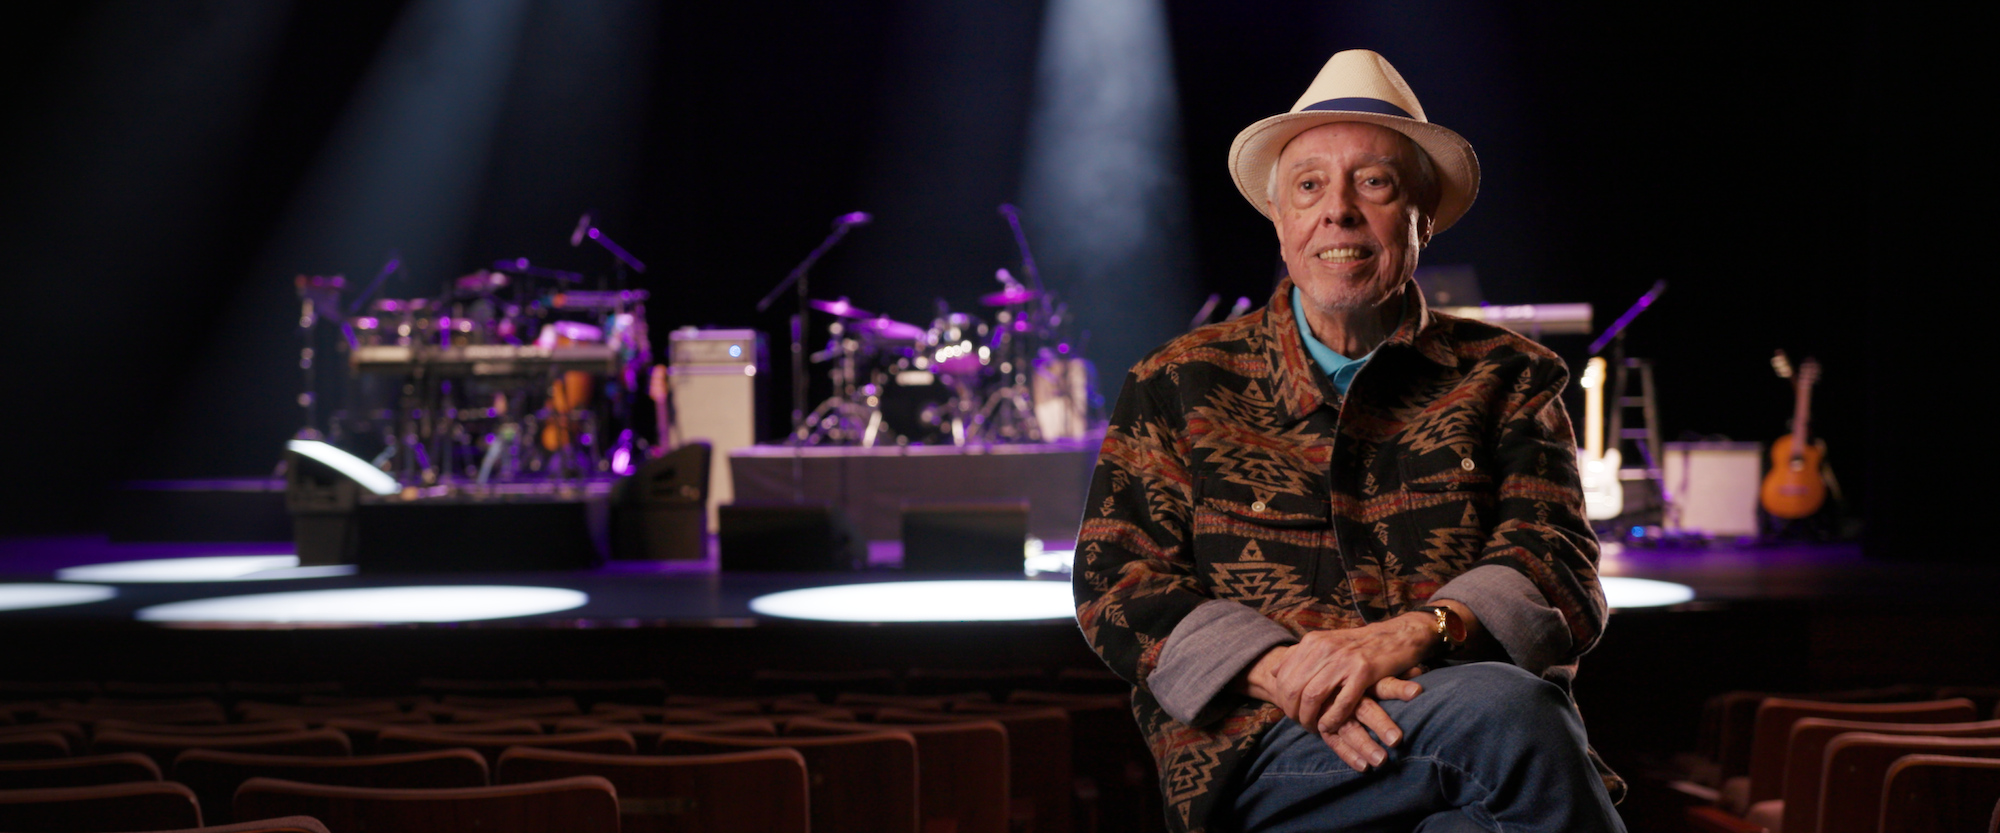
(585,804)
(1806,758)
(288,824)
(1777,714)
(864,782)
(1039,772)
(120,768)
(30,746)
(260,727)
(760,791)
(961,769)
(214,775)
(604,741)
(138,805)
(163,748)
(1857,765)
(1940,793)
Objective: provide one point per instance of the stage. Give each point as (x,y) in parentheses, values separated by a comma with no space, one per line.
(1765,617)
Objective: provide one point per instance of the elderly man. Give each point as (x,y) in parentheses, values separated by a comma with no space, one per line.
(1338,546)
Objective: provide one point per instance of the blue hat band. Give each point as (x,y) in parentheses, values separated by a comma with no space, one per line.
(1360,105)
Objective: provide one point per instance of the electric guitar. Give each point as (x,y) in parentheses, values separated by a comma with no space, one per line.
(1795,488)
(1603,494)
(659,388)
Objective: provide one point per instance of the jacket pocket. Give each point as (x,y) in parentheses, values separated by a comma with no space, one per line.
(1259,550)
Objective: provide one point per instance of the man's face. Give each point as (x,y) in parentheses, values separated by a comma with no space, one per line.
(1349,222)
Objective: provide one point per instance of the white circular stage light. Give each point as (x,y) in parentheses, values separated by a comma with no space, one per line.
(923,601)
(373,605)
(201,568)
(30,596)
(1644,592)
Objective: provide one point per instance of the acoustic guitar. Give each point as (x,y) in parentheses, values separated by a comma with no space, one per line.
(1795,486)
(1603,494)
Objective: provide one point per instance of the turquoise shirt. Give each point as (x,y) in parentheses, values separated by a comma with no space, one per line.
(1339,369)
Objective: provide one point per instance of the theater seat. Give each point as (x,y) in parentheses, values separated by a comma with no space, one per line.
(602,741)
(215,775)
(1857,767)
(585,804)
(87,771)
(962,782)
(1798,810)
(1773,732)
(1938,793)
(288,824)
(141,805)
(761,791)
(861,783)
(163,748)
(1039,772)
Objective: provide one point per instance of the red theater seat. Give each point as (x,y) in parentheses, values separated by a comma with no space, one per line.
(860,783)
(1857,767)
(163,748)
(762,791)
(586,804)
(961,769)
(1940,793)
(214,775)
(603,741)
(92,770)
(140,805)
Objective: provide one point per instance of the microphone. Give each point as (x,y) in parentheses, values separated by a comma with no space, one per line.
(858,218)
(582,228)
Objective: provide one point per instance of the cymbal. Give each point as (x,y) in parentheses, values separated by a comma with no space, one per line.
(841,308)
(883,327)
(1010,297)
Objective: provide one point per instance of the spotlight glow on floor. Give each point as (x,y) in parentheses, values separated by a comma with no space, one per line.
(203,568)
(1644,592)
(373,605)
(30,596)
(923,601)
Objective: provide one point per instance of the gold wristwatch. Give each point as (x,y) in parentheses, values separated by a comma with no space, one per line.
(1449,629)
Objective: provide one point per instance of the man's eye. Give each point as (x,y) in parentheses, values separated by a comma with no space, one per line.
(1308,185)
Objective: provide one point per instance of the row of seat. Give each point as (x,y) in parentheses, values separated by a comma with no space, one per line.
(1847,762)
(965,762)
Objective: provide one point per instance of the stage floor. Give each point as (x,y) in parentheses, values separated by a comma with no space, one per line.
(697,594)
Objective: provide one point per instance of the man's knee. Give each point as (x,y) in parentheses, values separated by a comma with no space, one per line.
(1501,694)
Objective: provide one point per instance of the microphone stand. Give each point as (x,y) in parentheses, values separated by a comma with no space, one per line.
(798,277)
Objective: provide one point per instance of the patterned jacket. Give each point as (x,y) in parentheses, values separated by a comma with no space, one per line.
(1234,470)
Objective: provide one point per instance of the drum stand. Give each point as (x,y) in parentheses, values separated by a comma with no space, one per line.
(1009,413)
(853,414)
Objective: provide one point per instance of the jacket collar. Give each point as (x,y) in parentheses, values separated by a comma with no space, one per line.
(1298,386)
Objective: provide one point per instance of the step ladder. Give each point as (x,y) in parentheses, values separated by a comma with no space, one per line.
(1646,437)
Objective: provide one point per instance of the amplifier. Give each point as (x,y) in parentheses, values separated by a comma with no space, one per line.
(1714,486)
(715,381)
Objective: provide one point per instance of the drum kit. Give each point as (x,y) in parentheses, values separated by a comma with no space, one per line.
(514,373)
(963,380)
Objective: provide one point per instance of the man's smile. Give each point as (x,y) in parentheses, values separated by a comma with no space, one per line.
(1343,254)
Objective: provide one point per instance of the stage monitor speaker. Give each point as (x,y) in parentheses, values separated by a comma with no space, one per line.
(660,513)
(483,535)
(321,501)
(971,537)
(789,537)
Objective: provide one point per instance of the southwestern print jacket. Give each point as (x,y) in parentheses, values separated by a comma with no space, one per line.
(1233,470)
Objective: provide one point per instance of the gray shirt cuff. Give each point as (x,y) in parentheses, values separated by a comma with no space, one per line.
(1207,650)
(1510,607)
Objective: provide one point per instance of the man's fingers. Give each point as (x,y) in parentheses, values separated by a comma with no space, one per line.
(1345,751)
(1391,688)
(1371,715)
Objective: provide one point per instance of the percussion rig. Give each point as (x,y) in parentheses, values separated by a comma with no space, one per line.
(513,376)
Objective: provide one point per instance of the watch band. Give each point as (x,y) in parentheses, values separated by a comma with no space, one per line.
(1449,629)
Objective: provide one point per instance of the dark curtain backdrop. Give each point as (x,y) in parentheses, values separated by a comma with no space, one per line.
(1796,178)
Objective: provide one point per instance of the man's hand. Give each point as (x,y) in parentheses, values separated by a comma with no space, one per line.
(1327,679)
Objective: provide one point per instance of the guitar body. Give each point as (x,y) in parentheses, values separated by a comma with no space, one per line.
(1603,493)
(1794,487)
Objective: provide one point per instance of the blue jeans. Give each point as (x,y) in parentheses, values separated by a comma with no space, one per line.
(1486,747)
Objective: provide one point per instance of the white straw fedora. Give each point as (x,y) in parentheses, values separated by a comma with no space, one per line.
(1358,85)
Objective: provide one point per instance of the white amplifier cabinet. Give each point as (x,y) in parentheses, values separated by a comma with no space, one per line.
(715,398)
(1714,486)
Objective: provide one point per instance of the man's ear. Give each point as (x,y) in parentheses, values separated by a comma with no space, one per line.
(1425,225)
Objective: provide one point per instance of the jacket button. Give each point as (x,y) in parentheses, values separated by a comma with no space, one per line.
(1466,463)
(1257,507)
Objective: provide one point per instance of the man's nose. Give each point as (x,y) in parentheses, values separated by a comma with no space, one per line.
(1342,210)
